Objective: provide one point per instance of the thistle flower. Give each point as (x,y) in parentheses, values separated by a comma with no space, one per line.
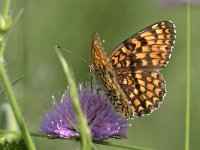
(102,119)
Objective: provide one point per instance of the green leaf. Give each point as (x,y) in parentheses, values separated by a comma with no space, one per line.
(7,118)
(17,144)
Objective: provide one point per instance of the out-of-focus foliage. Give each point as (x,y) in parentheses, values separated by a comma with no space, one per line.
(70,23)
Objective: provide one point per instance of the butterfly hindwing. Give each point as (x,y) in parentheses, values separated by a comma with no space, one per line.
(144,89)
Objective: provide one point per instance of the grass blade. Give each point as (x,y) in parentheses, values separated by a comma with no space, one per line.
(187,115)
(85,134)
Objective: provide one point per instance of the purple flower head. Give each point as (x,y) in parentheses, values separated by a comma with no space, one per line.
(102,119)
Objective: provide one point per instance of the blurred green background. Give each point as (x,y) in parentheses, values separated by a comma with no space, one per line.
(70,23)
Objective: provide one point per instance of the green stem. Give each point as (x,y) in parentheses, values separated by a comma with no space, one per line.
(187,116)
(14,105)
(121,146)
(105,143)
(86,141)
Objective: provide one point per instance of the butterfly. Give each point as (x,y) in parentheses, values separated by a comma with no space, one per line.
(130,75)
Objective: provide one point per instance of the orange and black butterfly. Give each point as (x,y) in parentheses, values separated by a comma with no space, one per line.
(130,74)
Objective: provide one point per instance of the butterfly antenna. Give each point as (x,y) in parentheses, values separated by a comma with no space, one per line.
(57,46)
(89,65)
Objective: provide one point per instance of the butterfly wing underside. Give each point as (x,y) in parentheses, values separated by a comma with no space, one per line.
(136,63)
(106,77)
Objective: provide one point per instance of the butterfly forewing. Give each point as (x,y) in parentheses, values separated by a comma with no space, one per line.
(148,49)
(130,73)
